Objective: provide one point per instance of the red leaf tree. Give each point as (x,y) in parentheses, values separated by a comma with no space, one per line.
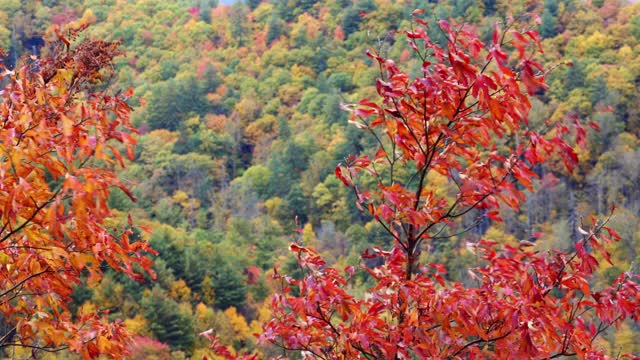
(60,140)
(464,117)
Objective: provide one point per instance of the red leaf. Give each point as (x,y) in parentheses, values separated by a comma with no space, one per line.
(493,215)
(346,181)
(496,33)
(614,234)
(297,248)
(594,126)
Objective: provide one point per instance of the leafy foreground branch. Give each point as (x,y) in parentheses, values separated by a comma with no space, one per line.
(464,119)
(60,142)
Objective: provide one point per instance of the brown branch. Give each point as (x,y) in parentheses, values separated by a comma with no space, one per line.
(478,341)
(7,336)
(558,279)
(4,293)
(283,347)
(36,347)
(37,210)
(561,354)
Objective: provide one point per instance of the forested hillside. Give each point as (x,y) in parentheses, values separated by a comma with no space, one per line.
(242,113)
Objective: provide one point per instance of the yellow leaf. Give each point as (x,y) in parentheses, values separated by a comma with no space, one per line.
(103,344)
(76,261)
(4,259)
(67,125)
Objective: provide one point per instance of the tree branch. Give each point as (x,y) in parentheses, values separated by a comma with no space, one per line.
(4,293)
(478,341)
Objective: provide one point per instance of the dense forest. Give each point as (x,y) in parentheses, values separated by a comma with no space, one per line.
(242,117)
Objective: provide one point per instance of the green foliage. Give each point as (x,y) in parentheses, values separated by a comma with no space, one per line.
(351,21)
(549,24)
(340,81)
(173,101)
(169,322)
(259,177)
(205,7)
(634,27)
(468,10)
(228,283)
(287,161)
(275,29)
(165,241)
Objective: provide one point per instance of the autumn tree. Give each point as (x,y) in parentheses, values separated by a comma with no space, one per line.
(455,148)
(61,137)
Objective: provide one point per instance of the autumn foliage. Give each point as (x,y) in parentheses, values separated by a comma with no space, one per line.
(464,117)
(61,138)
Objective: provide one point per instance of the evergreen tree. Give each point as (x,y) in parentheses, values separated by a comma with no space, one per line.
(351,21)
(333,114)
(173,101)
(599,90)
(275,28)
(252,4)
(169,251)
(205,9)
(548,25)
(552,6)
(634,27)
(229,285)
(489,7)
(549,20)
(575,76)
(289,159)
(238,21)
(297,204)
(167,321)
